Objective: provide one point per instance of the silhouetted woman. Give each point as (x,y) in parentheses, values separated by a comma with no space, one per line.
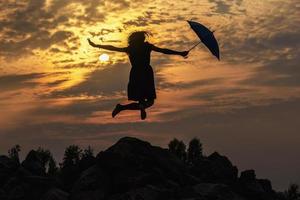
(141,86)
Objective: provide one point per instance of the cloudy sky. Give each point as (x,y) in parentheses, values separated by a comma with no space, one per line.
(55,91)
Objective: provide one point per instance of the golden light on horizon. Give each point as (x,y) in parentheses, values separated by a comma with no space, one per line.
(104,57)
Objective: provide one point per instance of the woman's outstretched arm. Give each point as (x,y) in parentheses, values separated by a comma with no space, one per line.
(107,47)
(169,51)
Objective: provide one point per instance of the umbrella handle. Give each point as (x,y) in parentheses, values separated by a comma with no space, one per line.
(194,46)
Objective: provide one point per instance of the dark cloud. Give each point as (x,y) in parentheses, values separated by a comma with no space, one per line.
(57,82)
(274,73)
(18,81)
(40,40)
(163,84)
(63,61)
(114,79)
(33,25)
(152,18)
(221,6)
(80,109)
(275,49)
(279,59)
(106,81)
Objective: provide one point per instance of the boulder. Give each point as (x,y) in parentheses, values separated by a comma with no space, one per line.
(133,163)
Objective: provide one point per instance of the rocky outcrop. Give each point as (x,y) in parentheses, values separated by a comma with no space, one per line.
(215,169)
(251,187)
(134,163)
(132,169)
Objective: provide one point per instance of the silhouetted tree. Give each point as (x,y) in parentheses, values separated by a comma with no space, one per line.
(52,167)
(47,160)
(292,193)
(13,153)
(72,155)
(70,167)
(178,148)
(194,152)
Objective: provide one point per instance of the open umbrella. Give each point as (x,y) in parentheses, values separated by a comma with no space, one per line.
(207,37)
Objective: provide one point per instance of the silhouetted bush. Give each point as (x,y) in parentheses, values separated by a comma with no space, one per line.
(47,160)
(71,156)
(13,153)
(194,152)
(292,193)
(75,161)
(87,158)
(178,148)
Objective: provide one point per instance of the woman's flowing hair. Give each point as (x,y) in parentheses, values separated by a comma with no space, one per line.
(137,38)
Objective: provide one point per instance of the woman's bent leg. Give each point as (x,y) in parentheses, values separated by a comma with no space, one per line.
(130,106)
(141,105)
(144,105)
(148,103)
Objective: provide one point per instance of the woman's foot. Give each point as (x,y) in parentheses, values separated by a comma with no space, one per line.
(116,111)
(143,114)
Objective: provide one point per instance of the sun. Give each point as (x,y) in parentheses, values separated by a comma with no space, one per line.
(104,57)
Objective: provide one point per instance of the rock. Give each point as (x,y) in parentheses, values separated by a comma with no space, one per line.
(55,194)
(266,184)
(222,168)
(250,187)
(248,175)
(133,163)
(216,169)
(93,184)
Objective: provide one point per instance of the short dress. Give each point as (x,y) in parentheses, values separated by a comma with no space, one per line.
(141,84)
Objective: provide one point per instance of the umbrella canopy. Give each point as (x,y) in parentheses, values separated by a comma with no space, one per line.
(207,37)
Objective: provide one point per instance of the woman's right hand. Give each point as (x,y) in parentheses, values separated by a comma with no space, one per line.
(185,54)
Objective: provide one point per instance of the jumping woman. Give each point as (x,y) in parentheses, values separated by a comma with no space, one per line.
(141,88)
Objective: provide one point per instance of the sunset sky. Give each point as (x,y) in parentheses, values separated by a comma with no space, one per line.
(54,91)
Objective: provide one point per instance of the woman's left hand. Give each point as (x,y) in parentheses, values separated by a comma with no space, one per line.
(92,43)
